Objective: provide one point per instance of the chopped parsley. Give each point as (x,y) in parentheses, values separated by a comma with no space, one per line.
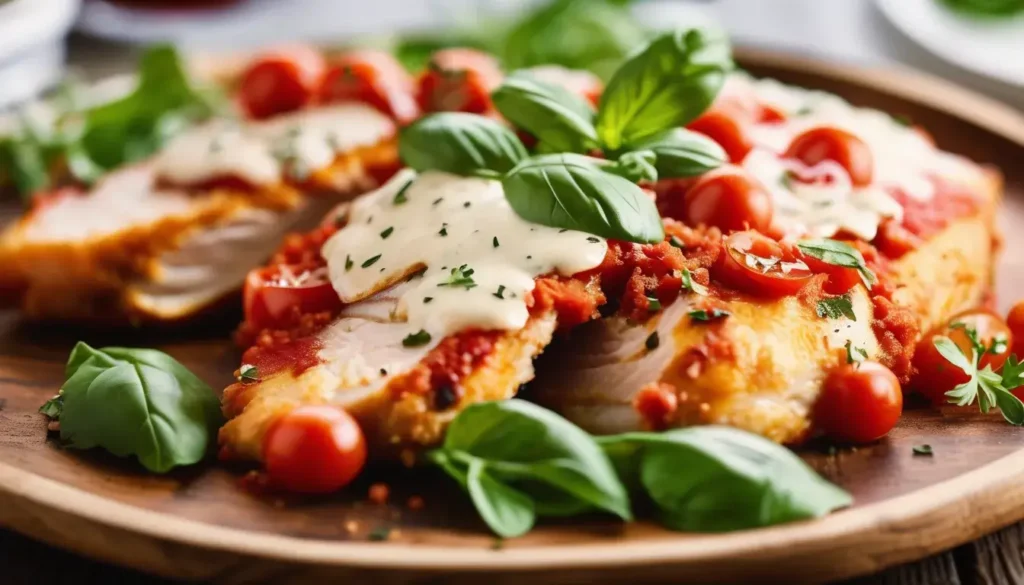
(786,179)
(855,355)
(925,450)
(248,373)
(400,197)
(494,242)
(988,388)
(444,230)
(692,285)
(383,372)
(652,341)
(676,242)
(501,292)
(371,261)
(653,304)
(706,316)
(563,230)
(903,120)
(427,299)
(593,240)
(466,204)
(348,262)
(384,234)
(417,339)
(836,308)
(437,201)
(460,276)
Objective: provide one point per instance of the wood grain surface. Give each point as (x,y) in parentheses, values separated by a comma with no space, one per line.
(197,523)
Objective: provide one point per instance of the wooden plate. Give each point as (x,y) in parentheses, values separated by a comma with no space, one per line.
(197,523)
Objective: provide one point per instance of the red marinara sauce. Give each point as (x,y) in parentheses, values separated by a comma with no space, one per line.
(923,219)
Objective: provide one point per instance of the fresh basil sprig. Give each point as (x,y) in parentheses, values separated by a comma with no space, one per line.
(561,120)
(715,479)
(839,253)
(461,144)
(637,166)
(518,460)
(679,153)
(574,192)
(666,84)
(138,402)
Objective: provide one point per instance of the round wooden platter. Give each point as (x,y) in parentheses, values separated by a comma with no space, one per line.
(199,523)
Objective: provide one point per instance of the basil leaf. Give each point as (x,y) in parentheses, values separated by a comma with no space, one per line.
(532,452)
(1011,406)
(668,83)
(733,479)
(505,509)
(558,118)
(137,402)
(461,144)
(682,153)
(986,8)
(836,308)
(839,253)
(573,192)
(636,166)
(579,34)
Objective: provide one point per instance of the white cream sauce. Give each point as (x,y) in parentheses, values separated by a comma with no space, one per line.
(903,159)
(259,152)
(447,222)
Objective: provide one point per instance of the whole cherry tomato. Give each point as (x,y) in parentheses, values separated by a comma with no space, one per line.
(282,80)
(314,450)
(826,143)
(372,77)
(1015,321)
(935,375)
(859,403)
(271,294)
(756,264)
(726,126)
(727,198)
(459,80)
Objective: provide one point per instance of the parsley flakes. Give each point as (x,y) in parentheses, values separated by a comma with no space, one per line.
(460,276)
(248,373)
(417,339)
(836,308)
(925,450)
(371,261)
(384,234)
(706,316)
(400,197)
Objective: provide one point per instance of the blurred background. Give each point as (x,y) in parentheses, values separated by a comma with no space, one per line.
(979,43)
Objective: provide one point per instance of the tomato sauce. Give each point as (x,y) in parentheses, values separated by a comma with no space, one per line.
(924,219)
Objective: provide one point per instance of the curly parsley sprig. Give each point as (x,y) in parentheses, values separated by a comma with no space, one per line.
(987,387)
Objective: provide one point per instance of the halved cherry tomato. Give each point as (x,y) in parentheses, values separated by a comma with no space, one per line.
(282,80)
(727,198)
(859,403)
(314,450)
(840,279)
(459,80)
(934,375)
(758,265)
(727,127)
(271,293)
(826,143)
(372,77)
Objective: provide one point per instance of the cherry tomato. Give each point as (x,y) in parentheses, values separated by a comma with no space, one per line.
(314,450)
(374,78)
(771,115)
(727,198)
(1015,321)
(271,293)
(859,403)
(756,264)
(282,80)
(459,80)
(934,375)
(726,126)
(825,143)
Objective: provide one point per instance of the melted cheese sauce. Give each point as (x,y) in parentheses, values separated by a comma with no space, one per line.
(260,152)
(448,223)
(903,159)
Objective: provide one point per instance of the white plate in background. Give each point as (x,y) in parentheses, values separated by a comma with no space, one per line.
(32,46)
(993,47)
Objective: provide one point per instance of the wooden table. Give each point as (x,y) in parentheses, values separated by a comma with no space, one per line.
(997,559)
